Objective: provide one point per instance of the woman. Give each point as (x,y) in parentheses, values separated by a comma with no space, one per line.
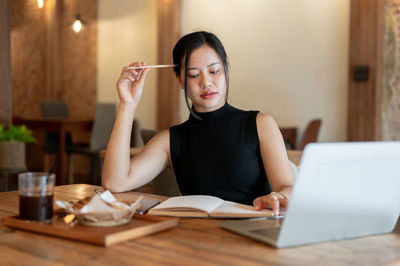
(220,150)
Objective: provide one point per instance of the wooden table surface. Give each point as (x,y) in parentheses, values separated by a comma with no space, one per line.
(193,242)
(294,156)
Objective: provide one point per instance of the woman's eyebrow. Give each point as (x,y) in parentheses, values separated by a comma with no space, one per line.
(210,65)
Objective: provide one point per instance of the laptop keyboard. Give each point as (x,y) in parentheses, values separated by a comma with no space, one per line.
(269,233)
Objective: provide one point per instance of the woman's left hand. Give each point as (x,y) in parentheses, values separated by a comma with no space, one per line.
(274,200)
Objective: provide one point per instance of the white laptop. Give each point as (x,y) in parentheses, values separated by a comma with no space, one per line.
(342,190)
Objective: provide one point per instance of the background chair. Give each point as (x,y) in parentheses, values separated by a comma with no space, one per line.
(147,134)
(165,183)
(136,138)
(102,126)
(311,133)
(53,109)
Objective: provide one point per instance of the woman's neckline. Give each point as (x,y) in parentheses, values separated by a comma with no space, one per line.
(206,116)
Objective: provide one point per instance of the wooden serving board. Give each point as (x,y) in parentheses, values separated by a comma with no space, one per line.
(140,225)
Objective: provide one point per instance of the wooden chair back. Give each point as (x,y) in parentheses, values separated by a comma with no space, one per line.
(311,133)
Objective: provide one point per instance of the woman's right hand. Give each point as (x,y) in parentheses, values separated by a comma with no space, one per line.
(130,83)
(274,200)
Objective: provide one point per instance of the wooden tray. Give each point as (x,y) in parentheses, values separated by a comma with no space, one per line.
(140,225)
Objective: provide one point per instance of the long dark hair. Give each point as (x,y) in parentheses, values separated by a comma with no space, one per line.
(185,46)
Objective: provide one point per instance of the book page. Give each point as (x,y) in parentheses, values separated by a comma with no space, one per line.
(193,202)
(231,209)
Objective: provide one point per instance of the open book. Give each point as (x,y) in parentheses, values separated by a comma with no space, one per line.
(206,206)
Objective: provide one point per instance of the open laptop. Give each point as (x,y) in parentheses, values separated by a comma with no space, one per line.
(342,190)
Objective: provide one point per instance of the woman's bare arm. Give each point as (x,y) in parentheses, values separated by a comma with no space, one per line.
(276,164)
(142,168)
(120,173)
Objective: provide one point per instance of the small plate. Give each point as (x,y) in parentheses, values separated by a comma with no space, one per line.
(121,213)
(105,219)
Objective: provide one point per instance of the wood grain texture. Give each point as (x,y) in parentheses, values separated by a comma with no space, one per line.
(193,242)
(169,31)
(364,98)
(5,73)
(78,72)
(53,14)
(49,60)
(28,57)
(140,225)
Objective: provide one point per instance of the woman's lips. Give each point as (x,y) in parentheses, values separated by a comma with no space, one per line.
(208,95)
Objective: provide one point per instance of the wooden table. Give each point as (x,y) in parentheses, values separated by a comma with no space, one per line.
(62,126)
(294,156)
(193,242)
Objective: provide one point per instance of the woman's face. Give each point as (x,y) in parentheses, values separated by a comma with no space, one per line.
(206,82)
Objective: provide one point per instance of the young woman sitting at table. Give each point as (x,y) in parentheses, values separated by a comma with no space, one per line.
(220,150)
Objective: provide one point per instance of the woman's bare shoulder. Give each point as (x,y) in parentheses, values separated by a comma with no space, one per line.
(163,135)
(265,119)
(266,125)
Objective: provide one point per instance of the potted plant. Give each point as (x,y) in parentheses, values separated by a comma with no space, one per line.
(12,147)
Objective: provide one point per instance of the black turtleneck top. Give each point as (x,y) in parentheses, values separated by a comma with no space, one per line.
(219,155)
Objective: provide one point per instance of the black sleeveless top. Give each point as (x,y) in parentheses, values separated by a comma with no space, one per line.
(219,155)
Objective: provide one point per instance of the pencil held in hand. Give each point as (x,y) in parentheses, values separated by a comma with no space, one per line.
(151,66)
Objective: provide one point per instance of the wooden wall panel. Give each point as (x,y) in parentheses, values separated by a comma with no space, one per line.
(51,62)
(364,97)
(169,32)
(78,71)
(363,102)
(52,16)
(28,58)
(5,73)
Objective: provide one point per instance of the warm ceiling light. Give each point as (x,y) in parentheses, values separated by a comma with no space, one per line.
(77,24)
(40,3)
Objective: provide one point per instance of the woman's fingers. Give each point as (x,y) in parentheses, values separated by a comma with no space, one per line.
(134,73)
(284,202)
(275,203)
(258,205)
(274,200)
(126,76)
(131,82)
(263,202)
(143,75)
(125,70)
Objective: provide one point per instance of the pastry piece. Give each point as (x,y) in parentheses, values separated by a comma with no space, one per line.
(80,203)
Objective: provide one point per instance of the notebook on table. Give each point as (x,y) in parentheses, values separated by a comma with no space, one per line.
(342,190)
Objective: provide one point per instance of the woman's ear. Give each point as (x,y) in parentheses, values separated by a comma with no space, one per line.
(179,80)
